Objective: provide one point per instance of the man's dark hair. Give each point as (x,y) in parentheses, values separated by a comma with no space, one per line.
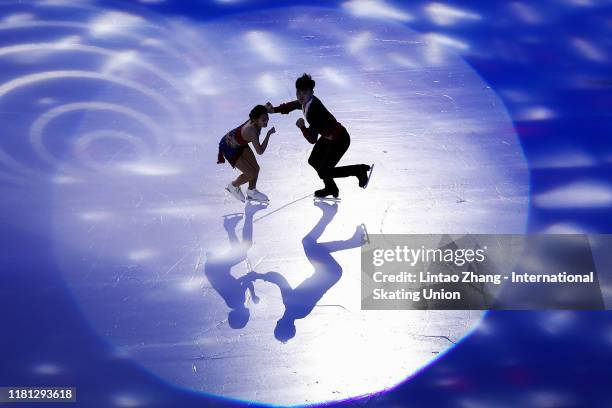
(257,111)
(305,83)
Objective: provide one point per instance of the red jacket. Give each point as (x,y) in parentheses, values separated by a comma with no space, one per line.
(321,121)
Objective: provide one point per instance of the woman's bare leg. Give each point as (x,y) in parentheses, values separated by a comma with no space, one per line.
(245,166)
(249,158)
(241,179)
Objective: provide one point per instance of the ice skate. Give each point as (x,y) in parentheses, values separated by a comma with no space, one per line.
(366,237)
(327,191)
(257,196)
(236,192)
(364,178)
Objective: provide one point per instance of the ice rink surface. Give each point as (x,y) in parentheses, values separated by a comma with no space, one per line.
(118,117)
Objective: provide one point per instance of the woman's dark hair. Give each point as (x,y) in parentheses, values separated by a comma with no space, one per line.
(257,111)
(305,83)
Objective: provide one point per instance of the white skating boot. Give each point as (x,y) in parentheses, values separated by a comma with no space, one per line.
(235,191)
(256,195)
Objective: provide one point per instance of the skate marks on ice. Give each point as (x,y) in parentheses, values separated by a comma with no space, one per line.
(282,207)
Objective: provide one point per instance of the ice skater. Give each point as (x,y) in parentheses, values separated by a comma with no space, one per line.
(333,143)
(217,268)
(234,147)
(299,302)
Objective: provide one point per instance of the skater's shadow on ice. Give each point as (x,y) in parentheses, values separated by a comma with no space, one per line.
(301,300)
(217,267)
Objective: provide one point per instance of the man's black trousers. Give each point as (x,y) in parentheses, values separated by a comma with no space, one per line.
(326,154)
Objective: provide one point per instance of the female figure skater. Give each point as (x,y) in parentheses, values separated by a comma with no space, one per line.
(218,267)
(333,143)
(234,147)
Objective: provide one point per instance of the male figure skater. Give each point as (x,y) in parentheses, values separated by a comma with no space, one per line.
(301,300)
(333,143)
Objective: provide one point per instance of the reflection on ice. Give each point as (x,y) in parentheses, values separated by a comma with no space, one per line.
(535,113)
(551,399)
(204,81)
(62,179)
(556,322)
(359,42)
(47,369)
(335,77)
(120,61)
(448,41)
(588,50)
(266,46)
(141,254)
(565,228)
(150,169)
(18,18)
(268,85)
(402,60)
(445,15)
(581,194)
(563,159)
(376,9)
(114,22)
(96,215)
(525,13)
(191,285)
(65,3)
(128,401)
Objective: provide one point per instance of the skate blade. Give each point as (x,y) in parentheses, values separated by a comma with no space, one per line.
(328,199)
(369,176)
(366,236)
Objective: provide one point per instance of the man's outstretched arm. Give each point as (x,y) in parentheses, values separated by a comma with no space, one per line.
(284,108)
